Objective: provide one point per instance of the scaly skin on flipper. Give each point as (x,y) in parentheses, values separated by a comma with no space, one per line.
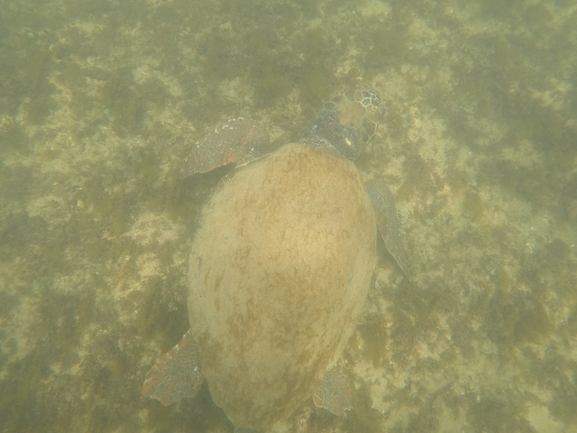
(334,394)
(239,140)
(384,204)
(176,374)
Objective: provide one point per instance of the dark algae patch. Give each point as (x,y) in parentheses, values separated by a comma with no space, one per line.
(499,415)
(373,332)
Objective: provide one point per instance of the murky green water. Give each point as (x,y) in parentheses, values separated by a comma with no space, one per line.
(99,102)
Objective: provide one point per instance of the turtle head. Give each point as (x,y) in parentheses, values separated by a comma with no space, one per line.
(346,123)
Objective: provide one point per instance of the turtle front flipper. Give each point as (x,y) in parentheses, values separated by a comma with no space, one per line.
(176,374)
(384,204)
(239,140)
(334,394)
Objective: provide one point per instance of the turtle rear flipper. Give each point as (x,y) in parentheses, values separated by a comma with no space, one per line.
(176,374)
(334,394)
(386,212)
(239,141)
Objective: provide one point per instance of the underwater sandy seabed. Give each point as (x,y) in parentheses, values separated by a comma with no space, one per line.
(99,102)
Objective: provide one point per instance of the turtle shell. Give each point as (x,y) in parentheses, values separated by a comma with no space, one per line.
(280,266)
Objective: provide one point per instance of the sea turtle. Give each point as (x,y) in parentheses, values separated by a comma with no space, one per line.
(281,261)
